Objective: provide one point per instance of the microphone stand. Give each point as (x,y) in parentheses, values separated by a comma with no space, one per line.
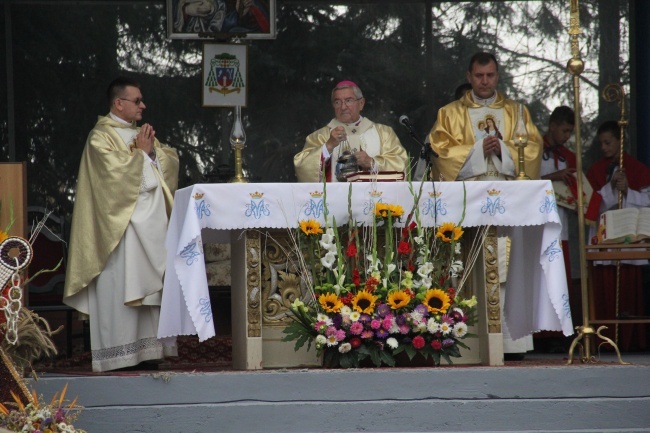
(428,153)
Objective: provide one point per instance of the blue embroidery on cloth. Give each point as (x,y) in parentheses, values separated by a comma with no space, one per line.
(190,254)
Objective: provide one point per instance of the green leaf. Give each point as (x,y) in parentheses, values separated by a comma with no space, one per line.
(375,357)
(453,351)
(410,351)
(346,360)
(387,358)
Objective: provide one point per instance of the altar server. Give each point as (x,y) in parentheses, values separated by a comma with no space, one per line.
(116,263)
(633,181)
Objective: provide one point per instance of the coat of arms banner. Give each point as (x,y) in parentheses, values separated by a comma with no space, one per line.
(225,75)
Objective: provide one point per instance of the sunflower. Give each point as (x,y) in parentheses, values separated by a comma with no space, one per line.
(364,302)
(330,302)
(448,232)
(437,301)
(396,210)
(398,299)
(3,236)
(382,210)
(310,227)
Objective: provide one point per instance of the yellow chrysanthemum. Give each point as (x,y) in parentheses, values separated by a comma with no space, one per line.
(448,232)
(330,302)
(311,227)
(3,236)
(398,299)
(437,301)
(364,302)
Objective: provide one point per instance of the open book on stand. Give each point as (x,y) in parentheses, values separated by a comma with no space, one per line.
(624,226)
(566,195)
(382,176)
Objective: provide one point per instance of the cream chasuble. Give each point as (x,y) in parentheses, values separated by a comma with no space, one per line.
(379,141)
(115,274)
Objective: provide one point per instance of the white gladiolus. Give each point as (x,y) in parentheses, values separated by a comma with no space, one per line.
(328,260)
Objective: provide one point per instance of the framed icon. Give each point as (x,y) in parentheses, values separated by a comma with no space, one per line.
(221,19)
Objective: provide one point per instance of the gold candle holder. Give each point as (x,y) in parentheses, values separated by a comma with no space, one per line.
(238,142)
(521,141)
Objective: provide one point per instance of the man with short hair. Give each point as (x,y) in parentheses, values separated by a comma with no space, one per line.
(473,137)
(117,257)
(467,152)
(559,165)
(375,146)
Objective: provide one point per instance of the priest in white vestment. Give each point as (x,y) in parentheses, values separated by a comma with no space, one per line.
(375,146)
(116,262)
(473,137)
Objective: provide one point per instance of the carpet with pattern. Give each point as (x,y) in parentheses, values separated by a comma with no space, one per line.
(214,354)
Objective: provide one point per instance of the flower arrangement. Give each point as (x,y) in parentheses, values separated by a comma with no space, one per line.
(54,417)
(381,290)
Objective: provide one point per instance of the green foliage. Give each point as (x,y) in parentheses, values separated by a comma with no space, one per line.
(60,75)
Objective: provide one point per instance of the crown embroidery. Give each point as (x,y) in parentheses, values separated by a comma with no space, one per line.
(376,193)
(550,192)
(198,196)
(316,194)
(256,195)
(435,194)
(493,192)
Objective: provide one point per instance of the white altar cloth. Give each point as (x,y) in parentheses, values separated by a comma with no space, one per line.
(537,298)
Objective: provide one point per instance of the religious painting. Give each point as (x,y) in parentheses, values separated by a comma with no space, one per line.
(486,121)
(225,75)
(221,19)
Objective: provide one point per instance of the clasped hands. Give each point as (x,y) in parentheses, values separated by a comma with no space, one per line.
(145,138)
(337,136)
(491,144)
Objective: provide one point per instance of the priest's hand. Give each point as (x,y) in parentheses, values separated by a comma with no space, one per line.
(364,160)
(491,144)
(337,135)
(145,138)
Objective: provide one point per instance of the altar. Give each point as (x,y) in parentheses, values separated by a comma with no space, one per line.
(244,214)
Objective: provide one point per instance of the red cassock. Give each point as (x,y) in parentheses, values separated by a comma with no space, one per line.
(631,297)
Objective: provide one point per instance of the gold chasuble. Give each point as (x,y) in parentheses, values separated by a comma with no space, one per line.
(108,187)
(458,128)
(117,245)
(379,141)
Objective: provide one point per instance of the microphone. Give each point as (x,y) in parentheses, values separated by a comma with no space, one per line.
(406,122)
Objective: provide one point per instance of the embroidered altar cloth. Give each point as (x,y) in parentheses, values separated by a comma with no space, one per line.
(536,295)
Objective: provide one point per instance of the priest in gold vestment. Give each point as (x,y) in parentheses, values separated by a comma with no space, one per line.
(473,137)
(116,262)
(375,146)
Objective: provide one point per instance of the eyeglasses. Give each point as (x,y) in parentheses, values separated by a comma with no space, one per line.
(137,101)
(348,102)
